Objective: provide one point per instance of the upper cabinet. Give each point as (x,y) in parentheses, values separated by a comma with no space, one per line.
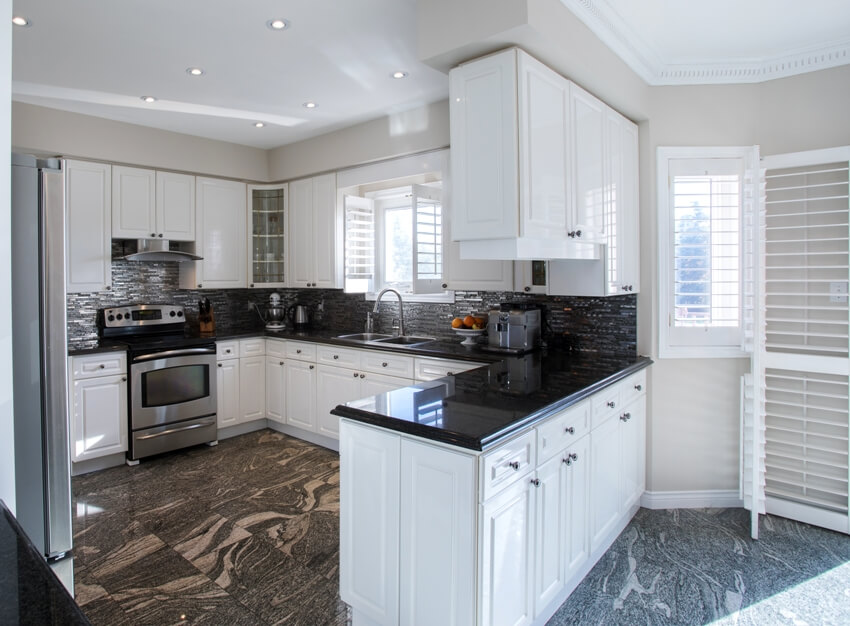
(314,236)
(267,235)
(512,162)
(88,229)
(147,204)
(220,219)
(587,122)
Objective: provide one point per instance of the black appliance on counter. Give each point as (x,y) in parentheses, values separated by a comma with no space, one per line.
(172,392)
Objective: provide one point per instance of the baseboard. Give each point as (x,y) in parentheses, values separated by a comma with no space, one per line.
(706,499)
(95,465)
(298,433)
(241,429)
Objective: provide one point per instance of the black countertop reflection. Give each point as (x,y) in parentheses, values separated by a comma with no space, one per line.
(478,408)
(29,591)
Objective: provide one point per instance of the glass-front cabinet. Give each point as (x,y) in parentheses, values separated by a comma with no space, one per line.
(268,212)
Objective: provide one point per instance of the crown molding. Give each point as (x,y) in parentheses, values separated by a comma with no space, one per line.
(645,61)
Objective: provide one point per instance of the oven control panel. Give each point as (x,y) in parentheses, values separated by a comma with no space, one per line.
(135,315)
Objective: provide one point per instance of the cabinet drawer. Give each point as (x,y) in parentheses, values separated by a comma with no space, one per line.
(252,347)
(431,369)
(604,404)
(339,357)
(276,347)
(633,387)
(105,364)
(561,430)
(507,464)
(227,350)
(301,350)
(385,363)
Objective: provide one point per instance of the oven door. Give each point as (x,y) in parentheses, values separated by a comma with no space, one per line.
(172,386)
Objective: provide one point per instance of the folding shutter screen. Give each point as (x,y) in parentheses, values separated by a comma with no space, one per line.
(359,244)
(428,239)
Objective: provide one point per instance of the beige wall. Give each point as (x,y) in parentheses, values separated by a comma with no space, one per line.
(41,130)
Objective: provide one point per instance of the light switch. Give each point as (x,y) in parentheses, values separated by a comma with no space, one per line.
(838,292)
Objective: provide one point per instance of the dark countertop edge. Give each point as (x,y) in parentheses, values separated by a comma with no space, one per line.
(456,439)
(96,350)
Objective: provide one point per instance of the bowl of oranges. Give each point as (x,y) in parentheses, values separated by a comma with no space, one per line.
(470,328)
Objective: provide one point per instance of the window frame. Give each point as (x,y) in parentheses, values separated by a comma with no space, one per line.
(711,342)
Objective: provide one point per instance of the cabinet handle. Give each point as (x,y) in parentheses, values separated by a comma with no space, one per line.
(124,378)
(571,458)
(281,362)
(153,234)
(298,351)
(450,373)
(570,430)
(626,417)
(109,287)
(383,364)
(199,285)
(160,234)
(219,364)
(574,233)
(514,464)
(535,482)
(227,351)
(639,387)
(362,375)
(336,356)
(312,367)
(611,404)
(527,288)
(251,285)
(444,285)
(102,366)
(355,374)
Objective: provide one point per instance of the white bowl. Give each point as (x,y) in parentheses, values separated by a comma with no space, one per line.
(470,334)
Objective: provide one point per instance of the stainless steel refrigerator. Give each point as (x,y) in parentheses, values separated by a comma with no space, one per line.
(39,357)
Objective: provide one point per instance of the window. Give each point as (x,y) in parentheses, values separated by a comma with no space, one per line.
(701,198)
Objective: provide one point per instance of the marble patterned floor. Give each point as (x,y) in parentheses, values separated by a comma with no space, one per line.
(247,533)
(242,533)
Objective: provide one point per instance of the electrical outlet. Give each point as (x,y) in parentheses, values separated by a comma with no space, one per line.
(838,292)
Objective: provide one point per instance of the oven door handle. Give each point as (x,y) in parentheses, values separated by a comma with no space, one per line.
(171,431)
(173,353)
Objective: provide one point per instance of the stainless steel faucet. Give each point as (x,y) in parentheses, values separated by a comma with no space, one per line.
(400,307)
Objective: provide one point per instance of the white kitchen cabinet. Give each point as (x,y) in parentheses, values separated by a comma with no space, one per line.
(275,389)
(334,386)
(576,459)
(98,424)
(551,531)
(588,162)
(633,455)
(436,577)
(476,275)
(267,235)
(147,204)
(227,388)
(88,226)
(604,505)
(301,394)
(314,236)
(220,219)
(175,206)
(252,388)
(507,555)
(512,153)
(369,523)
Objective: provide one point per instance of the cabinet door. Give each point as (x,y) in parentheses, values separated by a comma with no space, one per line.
(628,232)
(227,381)
(334,385)
(268,229)
(437,569)
(133,203)
(550,537)
(99,417)
(220,222)
(275,389)
(612,198)
(577,462)
(252,388)
(604,481)
(369,522)
(175,206)
(544,150)
(506,531)
(588,136)
(88,226)
(301,394)
(483,131)
(633,453)
(326,237)
(301,233)
(474,275)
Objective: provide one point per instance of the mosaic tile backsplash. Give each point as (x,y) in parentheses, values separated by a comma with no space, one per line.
(604,325)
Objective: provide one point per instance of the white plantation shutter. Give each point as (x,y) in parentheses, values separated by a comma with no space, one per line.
(359,215)
(427,239)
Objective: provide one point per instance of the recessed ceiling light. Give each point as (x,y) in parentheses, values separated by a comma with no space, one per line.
(20,20)
(195,71)
(399,74)
(148,98)
(309,105)
(278,24)
(258,124)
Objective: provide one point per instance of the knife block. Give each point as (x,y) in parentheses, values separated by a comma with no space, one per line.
(207,322)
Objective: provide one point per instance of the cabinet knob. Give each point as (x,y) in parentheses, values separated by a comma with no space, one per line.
(535,482)
(199,285)
(570,458)
(124,378)
(626,417)
(355,374)
(160,234)
(514,464)
(153,234)
(336,356)
(450,373)
(638,387)
(362,375)
(444,285)
(251,285)
(281,362)
(219,364)
(383,364)
(527,288)
(102,366)
(298,351)
(570,430)
(227,351)
(578,233)
(312,367)
(109,287)
(611,404)
(574,233)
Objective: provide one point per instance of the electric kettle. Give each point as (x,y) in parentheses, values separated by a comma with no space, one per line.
(300,316)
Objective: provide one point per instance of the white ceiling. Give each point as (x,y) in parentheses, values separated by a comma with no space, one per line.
(98,57)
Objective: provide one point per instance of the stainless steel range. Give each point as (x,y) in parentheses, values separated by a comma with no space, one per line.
(172,393)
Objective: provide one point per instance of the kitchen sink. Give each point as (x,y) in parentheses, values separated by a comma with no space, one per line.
(365,337)
(405,340)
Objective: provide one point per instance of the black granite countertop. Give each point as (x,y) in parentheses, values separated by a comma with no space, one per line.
(479,408)
(30,593)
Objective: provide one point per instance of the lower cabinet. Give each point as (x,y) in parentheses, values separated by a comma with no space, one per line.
(334,385)
(605,480)
(301,400)
(98,424)
(227,390)
(275,389)
(252,388)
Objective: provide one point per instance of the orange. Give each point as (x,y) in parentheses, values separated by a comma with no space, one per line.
(457,323)
(468,321)
(481,321)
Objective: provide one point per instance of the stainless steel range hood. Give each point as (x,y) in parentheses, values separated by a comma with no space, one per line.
(158,250)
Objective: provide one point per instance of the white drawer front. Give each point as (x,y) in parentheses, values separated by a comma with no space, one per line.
(301,350)
(604,404)
(386,363)
(507,464)
(431,369)
(633,387)
(256,346)
(227,349)
(276,347)
(339,357)
(102,364)
(562,429)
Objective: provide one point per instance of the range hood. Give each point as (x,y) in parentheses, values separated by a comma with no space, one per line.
(158,250)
